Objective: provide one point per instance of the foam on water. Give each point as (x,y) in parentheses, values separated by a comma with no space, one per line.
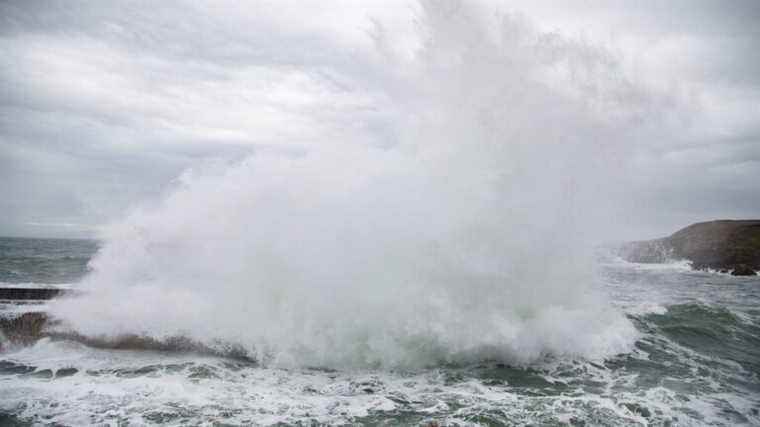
(68,383)
(677,265)
(138,387)
(695,363)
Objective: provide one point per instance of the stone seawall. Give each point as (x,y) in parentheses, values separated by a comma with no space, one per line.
(21,293)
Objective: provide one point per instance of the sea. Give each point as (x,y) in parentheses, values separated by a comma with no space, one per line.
(695,361)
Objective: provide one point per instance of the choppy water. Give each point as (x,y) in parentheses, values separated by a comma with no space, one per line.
(697,362)
(43,261)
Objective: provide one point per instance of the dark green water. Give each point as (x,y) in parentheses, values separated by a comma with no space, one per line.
(44,260)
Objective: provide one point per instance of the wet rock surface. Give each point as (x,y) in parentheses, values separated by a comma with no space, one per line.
(22,293)
(730,246)
(23,328)
(26,328)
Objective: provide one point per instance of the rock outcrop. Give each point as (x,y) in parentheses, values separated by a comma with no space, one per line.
(725,245)
(22,293)
(22,329)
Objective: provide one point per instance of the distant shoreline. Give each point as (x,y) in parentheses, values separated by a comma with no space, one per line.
(728,246)
(88,239)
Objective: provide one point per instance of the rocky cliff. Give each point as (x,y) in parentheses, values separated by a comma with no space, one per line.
(724,245)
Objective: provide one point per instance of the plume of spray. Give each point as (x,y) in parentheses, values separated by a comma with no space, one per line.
(465,235)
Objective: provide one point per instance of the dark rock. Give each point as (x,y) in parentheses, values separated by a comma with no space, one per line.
(15,294)
(24,328)
(724,245)
(743,270)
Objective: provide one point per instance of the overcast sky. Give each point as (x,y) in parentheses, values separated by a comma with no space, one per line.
(104,104)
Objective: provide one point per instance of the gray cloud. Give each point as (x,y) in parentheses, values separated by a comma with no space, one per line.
(103,104)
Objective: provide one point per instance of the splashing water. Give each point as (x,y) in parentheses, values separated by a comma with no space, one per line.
(461,233)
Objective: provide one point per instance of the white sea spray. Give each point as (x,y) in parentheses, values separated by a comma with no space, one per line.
(464,235)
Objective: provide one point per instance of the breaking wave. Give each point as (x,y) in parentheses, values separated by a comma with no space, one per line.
(465,234)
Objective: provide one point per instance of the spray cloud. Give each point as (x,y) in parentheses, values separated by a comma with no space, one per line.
(462,232)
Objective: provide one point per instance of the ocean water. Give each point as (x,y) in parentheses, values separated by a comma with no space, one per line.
(695,361)
(44,261)
(424,256)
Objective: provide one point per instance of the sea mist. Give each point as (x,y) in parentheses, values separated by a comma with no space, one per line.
(459,229)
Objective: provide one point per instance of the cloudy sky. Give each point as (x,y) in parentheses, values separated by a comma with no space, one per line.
(104,104)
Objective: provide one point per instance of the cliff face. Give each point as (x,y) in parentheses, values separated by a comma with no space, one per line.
(723,245)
